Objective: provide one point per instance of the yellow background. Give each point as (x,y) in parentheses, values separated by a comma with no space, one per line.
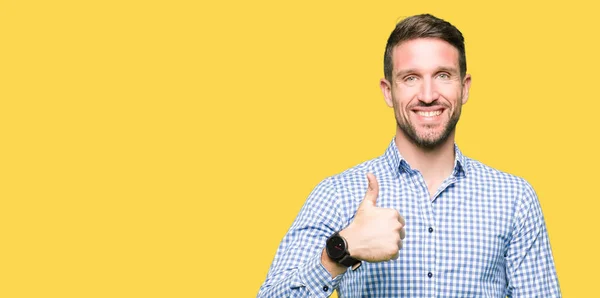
(163,148)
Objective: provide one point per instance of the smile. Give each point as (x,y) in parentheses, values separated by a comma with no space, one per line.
(429,113)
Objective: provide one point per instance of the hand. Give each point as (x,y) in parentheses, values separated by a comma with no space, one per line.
(375,234)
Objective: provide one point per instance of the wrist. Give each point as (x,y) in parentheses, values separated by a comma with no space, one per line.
(337,249)
(331,266)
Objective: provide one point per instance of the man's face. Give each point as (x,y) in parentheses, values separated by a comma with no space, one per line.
(426,90)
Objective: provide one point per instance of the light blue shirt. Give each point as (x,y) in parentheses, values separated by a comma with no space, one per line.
(482,235)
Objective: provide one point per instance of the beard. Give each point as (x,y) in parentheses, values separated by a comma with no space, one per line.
(429,139)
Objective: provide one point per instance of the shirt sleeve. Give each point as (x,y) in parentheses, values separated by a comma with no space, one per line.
(530,265)
(296,270)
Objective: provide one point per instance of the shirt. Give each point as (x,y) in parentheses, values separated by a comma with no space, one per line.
(482,234)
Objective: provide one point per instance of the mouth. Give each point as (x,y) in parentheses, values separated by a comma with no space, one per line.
(429,115)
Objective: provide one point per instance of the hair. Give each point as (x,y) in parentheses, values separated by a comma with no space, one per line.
(424,26)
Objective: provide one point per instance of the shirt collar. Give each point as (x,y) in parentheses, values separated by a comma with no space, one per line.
(396,161)
(460,163)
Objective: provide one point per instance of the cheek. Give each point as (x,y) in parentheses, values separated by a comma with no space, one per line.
(451,92)
(403,97)
(451,100)
(400,106)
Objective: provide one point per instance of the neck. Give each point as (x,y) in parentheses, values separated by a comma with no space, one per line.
(435,164)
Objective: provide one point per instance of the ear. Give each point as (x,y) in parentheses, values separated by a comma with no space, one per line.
(466,86)
(386,89)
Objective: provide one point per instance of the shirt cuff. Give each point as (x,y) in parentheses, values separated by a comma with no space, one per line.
(317,279)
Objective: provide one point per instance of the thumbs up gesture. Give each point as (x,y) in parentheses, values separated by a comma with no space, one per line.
(375,234)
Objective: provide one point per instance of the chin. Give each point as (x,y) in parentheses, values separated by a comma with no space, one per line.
(431,140)
(429,143)
(427,137)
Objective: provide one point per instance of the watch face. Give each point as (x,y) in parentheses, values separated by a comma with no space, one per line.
(336,247)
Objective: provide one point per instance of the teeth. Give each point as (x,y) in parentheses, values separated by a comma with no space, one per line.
(430,114)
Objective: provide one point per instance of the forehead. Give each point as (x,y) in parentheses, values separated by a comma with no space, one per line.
(424,54)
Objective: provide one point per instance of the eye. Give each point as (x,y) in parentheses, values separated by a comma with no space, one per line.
(410,78)
(444,76)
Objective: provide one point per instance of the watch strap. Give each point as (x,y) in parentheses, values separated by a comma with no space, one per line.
(349,261)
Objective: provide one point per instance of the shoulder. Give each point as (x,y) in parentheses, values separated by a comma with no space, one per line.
(351,184)
(494,180)
(494,177)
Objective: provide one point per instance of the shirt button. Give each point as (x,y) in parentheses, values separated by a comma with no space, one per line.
(430,230)
(429,274)
(325,288)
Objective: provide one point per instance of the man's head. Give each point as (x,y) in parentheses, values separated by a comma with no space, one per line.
(425,79)
(424,26)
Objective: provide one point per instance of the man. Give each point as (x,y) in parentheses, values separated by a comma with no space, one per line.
(432,223)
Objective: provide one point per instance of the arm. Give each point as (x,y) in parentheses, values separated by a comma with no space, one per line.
(530,265)
(297,269)
(302,267)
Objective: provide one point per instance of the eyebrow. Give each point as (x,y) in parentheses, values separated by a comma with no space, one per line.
(448,69)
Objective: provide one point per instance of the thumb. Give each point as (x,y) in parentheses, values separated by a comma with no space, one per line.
(372,191)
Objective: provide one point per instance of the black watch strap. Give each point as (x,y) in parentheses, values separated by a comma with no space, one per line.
(349,261)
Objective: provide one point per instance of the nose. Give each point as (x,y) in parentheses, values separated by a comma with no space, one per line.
(428,92)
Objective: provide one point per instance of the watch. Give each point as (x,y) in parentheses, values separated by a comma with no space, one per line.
(337,251)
